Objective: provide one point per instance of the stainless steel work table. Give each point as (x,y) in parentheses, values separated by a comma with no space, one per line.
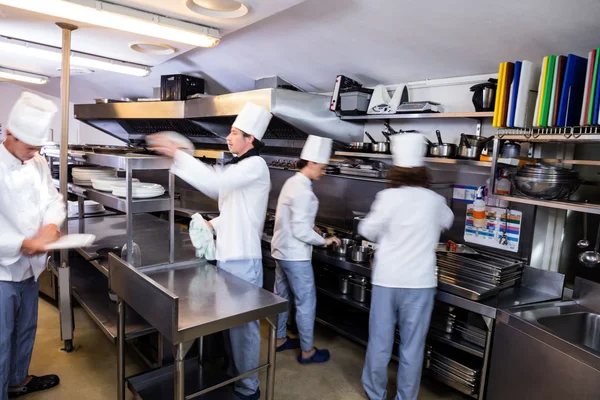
(188,302)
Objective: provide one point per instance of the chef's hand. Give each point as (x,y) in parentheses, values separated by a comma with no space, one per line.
(34,246)
(48,234)
(163,145)
(333,240)
(316,229)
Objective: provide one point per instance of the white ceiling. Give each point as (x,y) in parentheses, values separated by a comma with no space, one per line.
(374,41)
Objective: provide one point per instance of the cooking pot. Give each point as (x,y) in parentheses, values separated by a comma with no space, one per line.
(378,147)
(510,150)
(345,282)
(360,147)
(441,149)
(342,249)
(359,289)
(470,146)
(360,254)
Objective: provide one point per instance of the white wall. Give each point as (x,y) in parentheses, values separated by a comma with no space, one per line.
(78,132)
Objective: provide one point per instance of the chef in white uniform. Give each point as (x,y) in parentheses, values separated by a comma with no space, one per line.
(293,239)
(406,221)
(31,212)
(242,191)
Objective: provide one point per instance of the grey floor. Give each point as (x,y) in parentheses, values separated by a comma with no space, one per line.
(90,372)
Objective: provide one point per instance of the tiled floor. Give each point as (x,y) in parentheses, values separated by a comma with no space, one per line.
(90,372)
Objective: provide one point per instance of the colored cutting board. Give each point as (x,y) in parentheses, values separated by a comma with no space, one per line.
(586,92)
(540,94)
(548,91)
(571,97)
(597,97)
(526,96)
(508,78)
(590,116)
(590,78)
(559,72)
(501,70)
(514,92)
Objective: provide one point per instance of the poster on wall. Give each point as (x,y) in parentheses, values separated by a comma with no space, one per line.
(501,232)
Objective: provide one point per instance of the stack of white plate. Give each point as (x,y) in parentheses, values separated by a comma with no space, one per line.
(82,176)
(89,207)
(141,190)
(107,184)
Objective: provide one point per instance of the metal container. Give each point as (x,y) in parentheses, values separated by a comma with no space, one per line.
(441,149)
(342,249)
(360,254)
(362,147)
(378,147)
(359,290)
(510,150)
(471,146)
(345,283)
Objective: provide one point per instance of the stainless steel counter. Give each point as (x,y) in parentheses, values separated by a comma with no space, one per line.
(150,233)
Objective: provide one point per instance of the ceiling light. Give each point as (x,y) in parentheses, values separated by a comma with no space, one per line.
(208,9)
(20,76)
(50,53)
(153,48)
(122,18)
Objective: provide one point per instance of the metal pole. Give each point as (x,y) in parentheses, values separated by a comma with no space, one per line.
(66,311)
(179,352)
(272,352)
(121,350)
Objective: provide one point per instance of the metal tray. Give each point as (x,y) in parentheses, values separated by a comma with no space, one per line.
(452,383)
(460,249)
(472,329)
(453,371)
(473,339)
(450,376)
(444,326)
(456,364)
(466,290)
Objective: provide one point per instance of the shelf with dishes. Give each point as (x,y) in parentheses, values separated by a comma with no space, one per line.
(423,115)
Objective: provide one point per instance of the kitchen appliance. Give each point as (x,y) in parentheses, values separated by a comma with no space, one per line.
(355,101)
(342,84)
(420,107)
(484,95)
(179,87)
(441,149)
(381,103)
(359,288)
(510,150)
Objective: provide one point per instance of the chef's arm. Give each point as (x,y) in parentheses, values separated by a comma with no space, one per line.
(301,215)
(375,221)
(446,217)
(214,223)
(196,173)
(10,245)
(54,208)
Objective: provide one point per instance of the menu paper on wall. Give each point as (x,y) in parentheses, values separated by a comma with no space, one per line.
(496,224)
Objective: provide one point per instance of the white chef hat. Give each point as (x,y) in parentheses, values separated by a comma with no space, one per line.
(253,120)
(408,150)
(317,149)
(30,118)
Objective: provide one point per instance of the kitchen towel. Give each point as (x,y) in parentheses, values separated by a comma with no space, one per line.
(571,97)
(202,238)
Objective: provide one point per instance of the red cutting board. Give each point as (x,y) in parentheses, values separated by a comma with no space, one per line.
(586,101)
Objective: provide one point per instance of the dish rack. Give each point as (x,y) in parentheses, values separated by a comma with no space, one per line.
(455,370)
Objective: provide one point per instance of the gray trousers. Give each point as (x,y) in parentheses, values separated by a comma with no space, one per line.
(410,309)
(243,342)
(18,324)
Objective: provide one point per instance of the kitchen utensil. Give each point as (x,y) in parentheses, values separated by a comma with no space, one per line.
(345,283)
(591,259)
(378,147)
(471,146)
(545,182)
(484,95)
(359,289)
(510,150)
(72,242)
(342,249)
(584,243)
(361,147)
(441,149)
(360,254)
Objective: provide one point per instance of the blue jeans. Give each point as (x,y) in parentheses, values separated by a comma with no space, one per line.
(411,310)
(18,324)
(300,278)
(242,343)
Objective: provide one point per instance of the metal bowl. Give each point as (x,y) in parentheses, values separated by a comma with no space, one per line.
(545,189)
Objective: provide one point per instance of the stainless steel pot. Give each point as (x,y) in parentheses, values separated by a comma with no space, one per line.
(359,289)
(345,283)
(510,150)
(470,146)
(378,147)
(360,254)
(360,147)
(343,248)
(441,149)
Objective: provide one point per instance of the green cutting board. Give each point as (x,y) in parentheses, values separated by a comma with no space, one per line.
(548,91)
(593,89)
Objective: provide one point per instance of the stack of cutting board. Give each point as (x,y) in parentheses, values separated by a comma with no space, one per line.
(553,95)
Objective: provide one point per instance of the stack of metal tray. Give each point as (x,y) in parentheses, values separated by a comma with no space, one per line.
(457,374)
(479,276)
(471,333)
(442,318)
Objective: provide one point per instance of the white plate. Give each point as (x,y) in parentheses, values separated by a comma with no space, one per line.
(140,195)
(72,242)
(135,185)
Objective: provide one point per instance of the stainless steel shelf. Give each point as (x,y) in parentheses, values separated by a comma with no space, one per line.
(345,298)
(418,116)
(162,203)
(431,160)
(457,342)
(133,161)
(559,204)
(564,134)
(71,188)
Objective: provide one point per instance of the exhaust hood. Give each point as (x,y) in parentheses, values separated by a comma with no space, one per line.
(208,120)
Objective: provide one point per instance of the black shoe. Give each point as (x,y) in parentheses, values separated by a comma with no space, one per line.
(253,396)
(36,384)
(289,344)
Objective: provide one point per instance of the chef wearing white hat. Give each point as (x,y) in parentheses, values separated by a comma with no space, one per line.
(242,191)
(291,247)
(406,221)
(31,212)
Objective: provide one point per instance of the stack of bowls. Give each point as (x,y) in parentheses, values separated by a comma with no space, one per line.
(546,182)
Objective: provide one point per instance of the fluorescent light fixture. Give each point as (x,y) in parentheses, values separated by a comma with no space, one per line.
(13,75)
(50,53)
(122,18)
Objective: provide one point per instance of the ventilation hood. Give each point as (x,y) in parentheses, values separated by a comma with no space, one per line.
(208,120)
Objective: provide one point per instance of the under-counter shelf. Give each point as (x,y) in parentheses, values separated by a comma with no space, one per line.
(454,340)
(124,161)
(432,160)
(161,203)
(559,204)
(365,117)
(345,298)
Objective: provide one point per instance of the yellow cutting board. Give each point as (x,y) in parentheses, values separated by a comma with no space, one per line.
(497,111)
(540,99)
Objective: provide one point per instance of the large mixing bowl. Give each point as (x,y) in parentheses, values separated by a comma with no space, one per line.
(545,188)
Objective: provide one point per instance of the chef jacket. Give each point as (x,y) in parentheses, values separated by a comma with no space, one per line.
(406,224)
(242,191)
(297,207)
(28,201)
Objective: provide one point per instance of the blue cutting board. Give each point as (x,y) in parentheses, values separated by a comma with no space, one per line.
(574,79)
(515,93)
